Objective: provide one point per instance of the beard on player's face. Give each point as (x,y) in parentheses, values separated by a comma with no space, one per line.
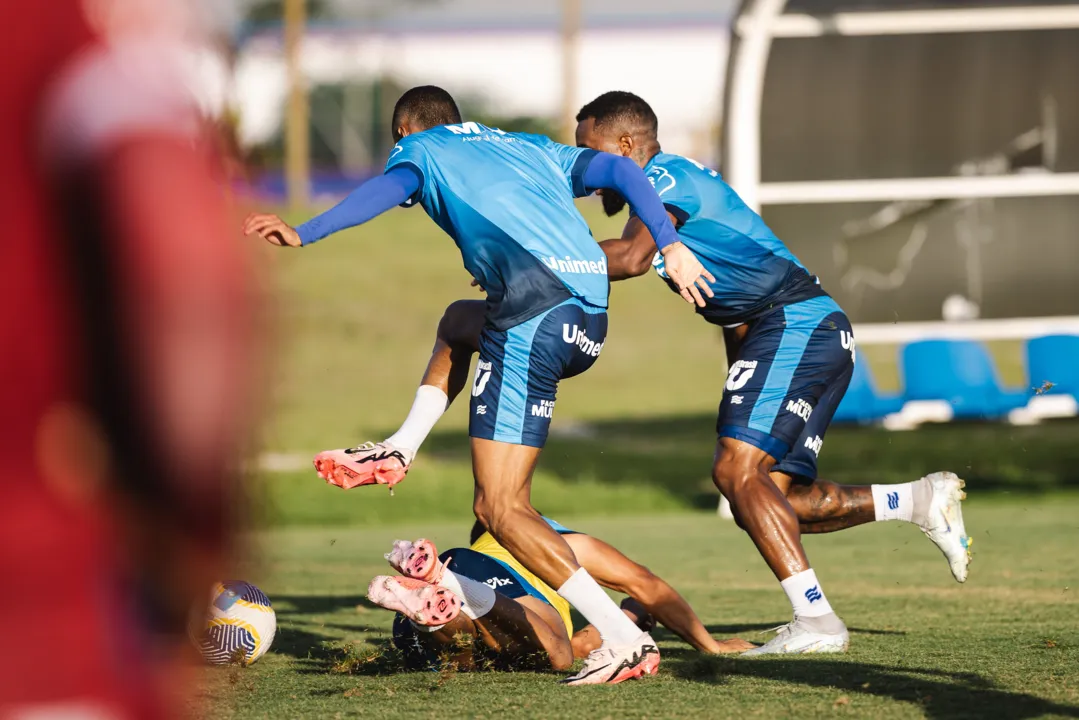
(613,202)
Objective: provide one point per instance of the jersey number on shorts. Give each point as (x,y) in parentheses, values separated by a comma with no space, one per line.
(741,373)
(483,374)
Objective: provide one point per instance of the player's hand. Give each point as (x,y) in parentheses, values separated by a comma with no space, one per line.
(476,284)
(687,273)
(272,229)
(734,645)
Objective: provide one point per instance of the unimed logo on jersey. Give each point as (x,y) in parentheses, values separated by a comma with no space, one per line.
(575,335)
(577,267)
(847,339)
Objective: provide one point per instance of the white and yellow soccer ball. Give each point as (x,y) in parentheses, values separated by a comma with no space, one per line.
(238,626)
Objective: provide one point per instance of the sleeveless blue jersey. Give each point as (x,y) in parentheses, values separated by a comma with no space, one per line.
(506,199)
(754,270)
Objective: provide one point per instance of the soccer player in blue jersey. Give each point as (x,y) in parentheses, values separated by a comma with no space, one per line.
(506,200)
(791,354)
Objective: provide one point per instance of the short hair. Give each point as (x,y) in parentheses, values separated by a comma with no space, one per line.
(623,110)
(427,106)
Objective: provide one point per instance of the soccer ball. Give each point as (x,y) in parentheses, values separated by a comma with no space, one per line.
(238,626)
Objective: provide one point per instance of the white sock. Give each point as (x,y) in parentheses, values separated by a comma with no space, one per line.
(583,593)
(430,404)
(897,502)
(477,599)
(805,594)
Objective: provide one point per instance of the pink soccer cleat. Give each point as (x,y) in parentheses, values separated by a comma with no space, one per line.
(417,560)
(422,603)
(608,665)
(369,464)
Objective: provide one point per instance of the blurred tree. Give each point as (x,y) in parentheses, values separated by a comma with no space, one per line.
(266,11)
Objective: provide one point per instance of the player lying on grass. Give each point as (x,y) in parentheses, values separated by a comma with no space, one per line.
(506,200)
(791,355)
(481,601)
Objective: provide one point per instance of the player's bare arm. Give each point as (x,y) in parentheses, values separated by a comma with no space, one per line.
(631,255)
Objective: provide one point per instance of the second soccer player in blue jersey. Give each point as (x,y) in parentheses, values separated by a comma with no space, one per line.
(791,355)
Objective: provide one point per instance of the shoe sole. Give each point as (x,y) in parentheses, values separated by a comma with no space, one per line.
(431,605)
(423,561)
(818,648)
(346,478)
(956,496)
(647,666)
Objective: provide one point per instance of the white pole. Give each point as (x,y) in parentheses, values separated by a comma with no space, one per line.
(747,87)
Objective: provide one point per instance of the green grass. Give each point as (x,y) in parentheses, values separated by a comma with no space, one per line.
(1005,644)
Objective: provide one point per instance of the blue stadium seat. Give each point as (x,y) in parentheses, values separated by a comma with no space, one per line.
(1054,359)
(863,403)
(960,373)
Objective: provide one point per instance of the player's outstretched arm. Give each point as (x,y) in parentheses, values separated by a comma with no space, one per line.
(607,171)
(366,202)
(614,570)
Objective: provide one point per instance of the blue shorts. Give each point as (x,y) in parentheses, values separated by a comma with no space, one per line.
(517,374)
(784,387)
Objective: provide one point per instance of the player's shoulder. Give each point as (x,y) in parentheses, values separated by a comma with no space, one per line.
(672,175)
(681,166)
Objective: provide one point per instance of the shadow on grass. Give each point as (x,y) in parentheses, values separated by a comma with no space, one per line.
(675,453)
(940,694)
(319,604)
(301,636)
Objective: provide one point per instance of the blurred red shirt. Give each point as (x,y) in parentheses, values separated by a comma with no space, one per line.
(71,633)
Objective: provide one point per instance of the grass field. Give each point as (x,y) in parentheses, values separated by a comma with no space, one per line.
(1004,645)
(629,460)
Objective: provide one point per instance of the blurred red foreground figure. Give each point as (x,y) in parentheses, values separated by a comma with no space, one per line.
(125,343)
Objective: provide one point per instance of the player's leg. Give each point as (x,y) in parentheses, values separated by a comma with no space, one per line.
(387,462)
(513,398)
(933,503)
(786,362)
(821,506)
(652,598)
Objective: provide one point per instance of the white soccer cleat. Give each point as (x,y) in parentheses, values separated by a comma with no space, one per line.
(608,665)
(944,522)
(795,638)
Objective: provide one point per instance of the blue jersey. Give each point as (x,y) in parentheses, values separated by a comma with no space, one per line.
(754,270)
(506,199)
